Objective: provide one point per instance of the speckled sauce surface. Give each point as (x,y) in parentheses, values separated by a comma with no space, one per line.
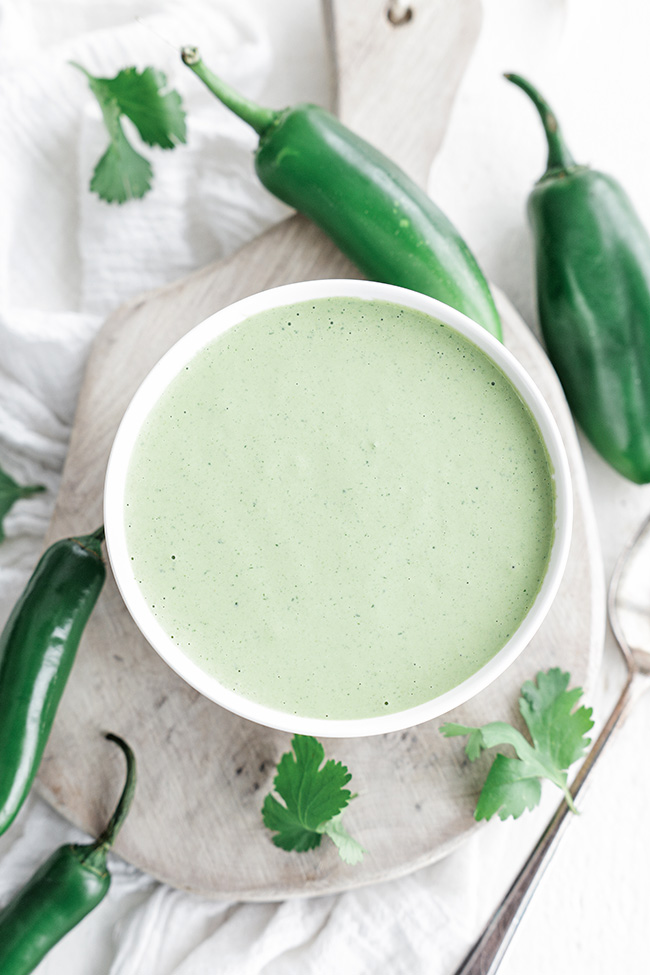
(340,508)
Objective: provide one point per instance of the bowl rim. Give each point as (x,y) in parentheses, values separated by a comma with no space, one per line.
(171,363)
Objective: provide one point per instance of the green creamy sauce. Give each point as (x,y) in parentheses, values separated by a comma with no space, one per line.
(340,508)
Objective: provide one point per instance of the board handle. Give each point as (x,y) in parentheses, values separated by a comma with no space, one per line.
(395,68)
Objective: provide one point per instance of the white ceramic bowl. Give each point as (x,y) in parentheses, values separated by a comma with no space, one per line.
(165,371)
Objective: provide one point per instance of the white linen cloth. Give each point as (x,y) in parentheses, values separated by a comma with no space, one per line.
(67,260)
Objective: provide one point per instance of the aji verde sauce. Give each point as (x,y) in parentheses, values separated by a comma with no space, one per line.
(340,508)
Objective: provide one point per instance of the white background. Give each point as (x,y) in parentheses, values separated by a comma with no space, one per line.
(62,269)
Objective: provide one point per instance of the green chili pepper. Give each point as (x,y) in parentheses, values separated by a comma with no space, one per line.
(62,891)
(592,258)
(378,217)
(37,649)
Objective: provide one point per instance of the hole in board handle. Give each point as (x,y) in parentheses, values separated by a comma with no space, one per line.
(398,13)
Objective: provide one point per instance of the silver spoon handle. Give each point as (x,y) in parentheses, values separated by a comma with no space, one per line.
(486,955)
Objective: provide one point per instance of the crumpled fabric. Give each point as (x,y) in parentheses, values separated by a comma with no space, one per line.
(66,262)
(66,258)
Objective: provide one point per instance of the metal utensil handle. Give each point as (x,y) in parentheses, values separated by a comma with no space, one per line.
(486,955)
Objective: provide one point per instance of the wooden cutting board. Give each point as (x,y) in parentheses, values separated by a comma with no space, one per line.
(203,772)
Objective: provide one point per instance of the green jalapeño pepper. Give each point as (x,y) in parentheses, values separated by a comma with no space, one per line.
(592,257)
(38,646)
(62,892)
(375,214)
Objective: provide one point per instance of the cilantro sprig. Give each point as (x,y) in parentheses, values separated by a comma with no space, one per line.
(558,734)
(10,492)
(314,798)
(122,173)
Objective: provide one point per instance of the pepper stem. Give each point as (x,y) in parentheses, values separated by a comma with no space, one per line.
(559,156)
(257,117)
(116,821)
(93,541)
(93,855)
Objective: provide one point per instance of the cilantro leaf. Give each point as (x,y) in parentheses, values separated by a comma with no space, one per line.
(558,732)
(314,798)
(10,492)
(157,115)
(512,786)
(350,850)
(122,173)
(292,834)
(547,709)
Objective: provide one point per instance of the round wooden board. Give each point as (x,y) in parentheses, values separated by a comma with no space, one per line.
(203,772)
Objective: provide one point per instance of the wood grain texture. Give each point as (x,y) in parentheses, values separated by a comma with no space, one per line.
(202,771)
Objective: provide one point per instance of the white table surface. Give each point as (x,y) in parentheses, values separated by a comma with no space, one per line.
(590,58)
